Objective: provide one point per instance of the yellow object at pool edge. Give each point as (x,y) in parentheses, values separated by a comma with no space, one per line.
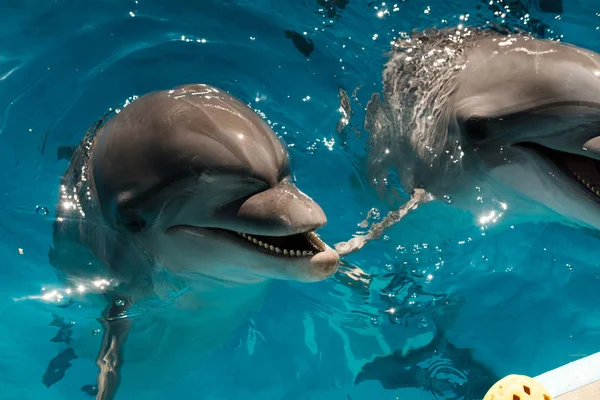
(517,387)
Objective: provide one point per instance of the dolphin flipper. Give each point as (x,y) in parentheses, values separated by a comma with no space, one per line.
(91,390)
(110,357)
(58,366)
(436,367)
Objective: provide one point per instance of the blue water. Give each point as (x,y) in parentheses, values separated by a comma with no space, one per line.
(523,299)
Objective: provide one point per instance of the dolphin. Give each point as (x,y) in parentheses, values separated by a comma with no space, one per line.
(474,113)
(438,367)
(429,360)
(183,194)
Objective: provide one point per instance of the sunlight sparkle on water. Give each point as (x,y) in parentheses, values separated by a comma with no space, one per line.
(53,295)
(492,217)
(64,293)
(329,143)
(100,283)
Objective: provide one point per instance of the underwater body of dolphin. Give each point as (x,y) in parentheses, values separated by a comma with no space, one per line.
(191,184)
(506,113)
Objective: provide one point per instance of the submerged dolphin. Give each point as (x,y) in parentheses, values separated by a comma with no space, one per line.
(472,112)
(438,367)
(191,184)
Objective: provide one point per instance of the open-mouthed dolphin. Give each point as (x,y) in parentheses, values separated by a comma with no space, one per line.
(472,112)
(192,183)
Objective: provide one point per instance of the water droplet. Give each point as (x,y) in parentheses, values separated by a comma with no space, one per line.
(95,332)
(569,267)
(448,199)
(422,323)
(41,210)
(375,321)
(389,267)
(596,276)
(120,302)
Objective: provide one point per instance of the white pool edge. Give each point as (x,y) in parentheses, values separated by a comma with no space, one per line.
(571,376)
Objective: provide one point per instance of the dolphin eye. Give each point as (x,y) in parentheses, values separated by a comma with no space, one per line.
(131,222)
(476,129)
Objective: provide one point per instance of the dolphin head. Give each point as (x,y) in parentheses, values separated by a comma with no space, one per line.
(205,187)
(529,110)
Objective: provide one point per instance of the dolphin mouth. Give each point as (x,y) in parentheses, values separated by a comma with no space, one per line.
(582,169)
(304,244)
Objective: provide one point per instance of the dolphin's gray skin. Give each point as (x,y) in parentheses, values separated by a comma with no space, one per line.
(507,113)
(192,183)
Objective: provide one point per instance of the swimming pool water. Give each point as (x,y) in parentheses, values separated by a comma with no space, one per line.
(522,299)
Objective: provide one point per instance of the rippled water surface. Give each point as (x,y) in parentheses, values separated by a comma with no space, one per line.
(521,299)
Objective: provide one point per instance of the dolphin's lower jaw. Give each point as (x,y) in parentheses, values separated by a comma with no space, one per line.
(305,244)
(313,259)
(578,168)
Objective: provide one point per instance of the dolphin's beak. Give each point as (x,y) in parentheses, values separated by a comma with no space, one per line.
(281,210)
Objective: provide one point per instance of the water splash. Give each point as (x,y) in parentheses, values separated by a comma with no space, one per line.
(356,243)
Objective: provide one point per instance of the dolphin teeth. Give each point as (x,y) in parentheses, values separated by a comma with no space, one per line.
(298,253)
(254,241)
(244,235)
(277,250)
(304,253)
(285,252)
(260,243)
(590,186)
(272,248)
(292,253)
(315,241)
